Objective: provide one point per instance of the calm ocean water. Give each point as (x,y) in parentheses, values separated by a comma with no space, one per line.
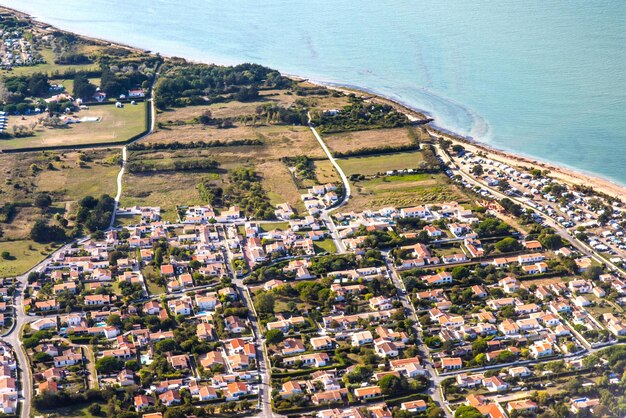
(544,79)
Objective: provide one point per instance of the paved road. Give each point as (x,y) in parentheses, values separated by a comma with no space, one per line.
(561,231)
(120,175)
(118,195)
(434,388)
(13,337)
(265,388)
(325,215)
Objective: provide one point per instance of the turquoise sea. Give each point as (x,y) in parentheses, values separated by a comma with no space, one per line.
(540,78)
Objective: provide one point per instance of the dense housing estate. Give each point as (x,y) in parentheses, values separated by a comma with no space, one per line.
(479,288)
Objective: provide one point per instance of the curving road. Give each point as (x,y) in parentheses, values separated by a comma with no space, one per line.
(120,175)
(344,179)
(325,215)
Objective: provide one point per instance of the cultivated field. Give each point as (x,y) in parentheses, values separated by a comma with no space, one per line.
(374,164)
(373,138)
(115,125)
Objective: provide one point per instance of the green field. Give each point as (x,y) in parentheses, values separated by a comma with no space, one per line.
(404,191)
(115,125)
(271,226)
(375,164)
(24,255)
(76,182)
(73,411)
(48,67)
(326,245)
(166,190)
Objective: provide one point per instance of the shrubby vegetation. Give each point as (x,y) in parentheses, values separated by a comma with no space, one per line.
(359,115)
(152,166)
(95,214)
(303,166)
(175,145)
(184,84)
(243,190)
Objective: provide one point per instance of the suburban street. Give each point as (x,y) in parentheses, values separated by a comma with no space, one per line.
(434,387)
(561,231)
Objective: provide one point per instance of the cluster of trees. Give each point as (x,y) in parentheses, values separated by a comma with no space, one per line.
(334,262)
(95,214)
(303,166)
(151,166)
(16,88)
(243,190)
(72,58)
(43,232)
(379,239)
(387,149)
(359,115)
(184,84)
(491,227)
(512,207)
(124,78)
(83,88)
(175,145)
(276,114)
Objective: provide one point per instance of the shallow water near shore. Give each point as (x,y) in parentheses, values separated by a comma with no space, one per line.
(544,79)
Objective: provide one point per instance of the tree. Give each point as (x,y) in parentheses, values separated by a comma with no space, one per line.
(133,365)
(392,385)
(274,336)
(43,233)
(551,241)
(165,346)
(174,413)
(95,410)
(593,272)
(507,245)
(460,273)
(114,320)
(434,412)
(42,357)
(109,365)
(82,87)
(477,170)
(264,303)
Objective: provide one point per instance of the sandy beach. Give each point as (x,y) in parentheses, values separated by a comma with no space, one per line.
(560,173)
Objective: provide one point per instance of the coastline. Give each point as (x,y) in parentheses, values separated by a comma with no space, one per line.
(560,172)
